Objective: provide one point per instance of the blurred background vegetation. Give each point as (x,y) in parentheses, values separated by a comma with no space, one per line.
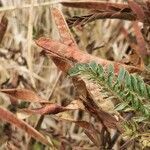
(23,66)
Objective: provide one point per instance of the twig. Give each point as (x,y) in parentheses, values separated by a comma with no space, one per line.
(82,20)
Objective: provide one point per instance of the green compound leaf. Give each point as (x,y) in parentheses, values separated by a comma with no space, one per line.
(127,88)
(121,74)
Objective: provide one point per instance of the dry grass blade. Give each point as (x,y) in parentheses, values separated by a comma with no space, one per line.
(9,117)
(29,48)
(77,56)
(23,94)
(42,4)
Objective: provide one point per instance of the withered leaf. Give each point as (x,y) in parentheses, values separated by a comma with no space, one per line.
(64,32)
(23,94)
(90,131)
(46,109)
(54,108)
(105,118)
(72,54)
(9,117)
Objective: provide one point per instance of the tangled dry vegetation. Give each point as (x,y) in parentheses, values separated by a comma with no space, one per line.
(74,74)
